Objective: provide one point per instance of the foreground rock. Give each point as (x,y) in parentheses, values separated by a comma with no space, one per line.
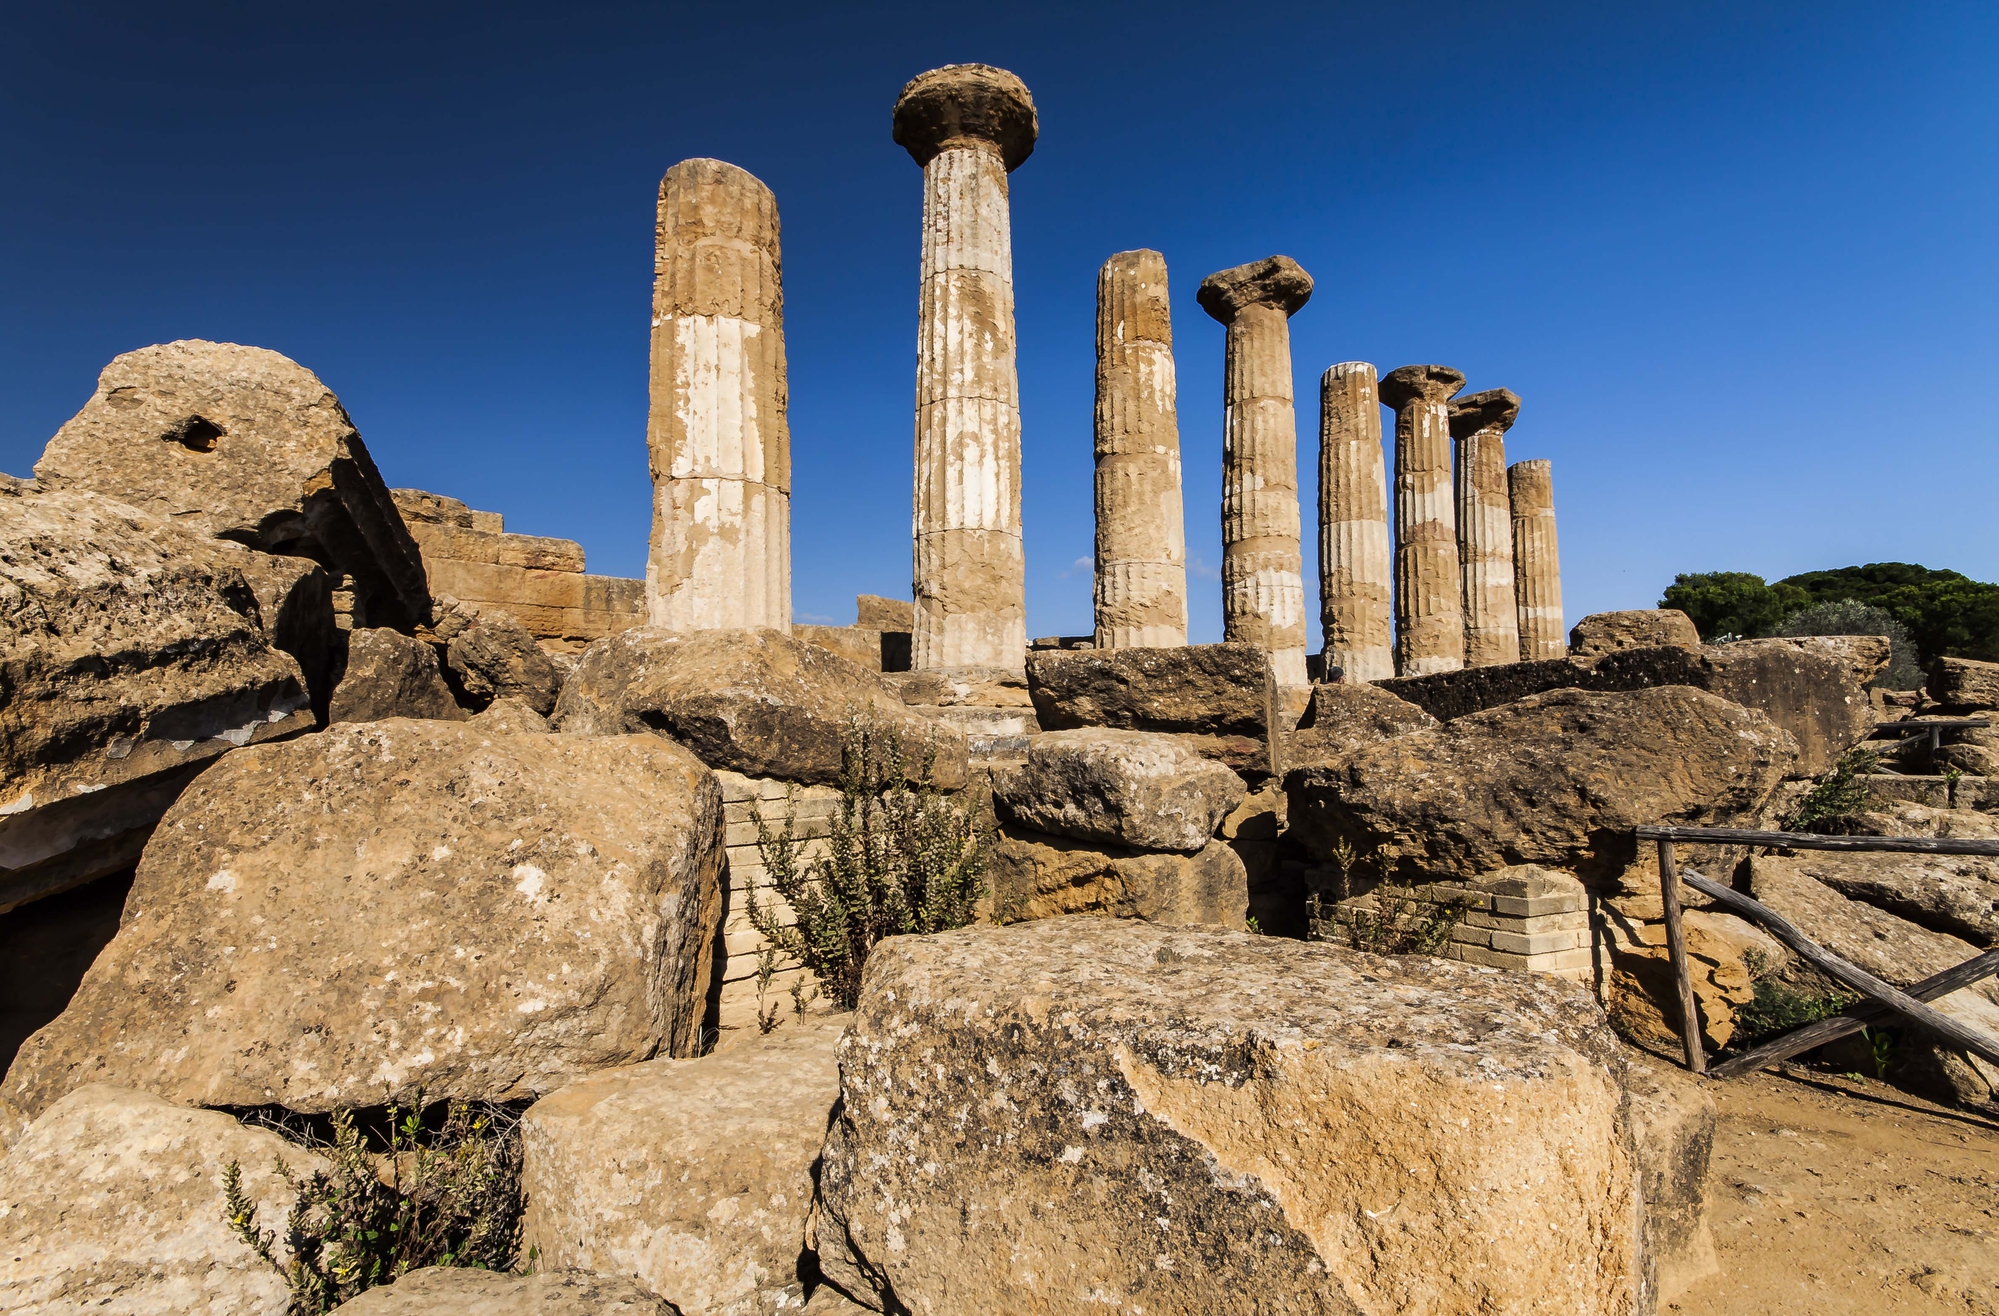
(1673,1125)
(243,444)
(1558,779)
(752,701)
(454,1291)
(1202,689)
(390,674)
(1032,875)
(131,656)
(1181,1120)
(1129,788)
(394,904)
(113,1203)
(695,1176)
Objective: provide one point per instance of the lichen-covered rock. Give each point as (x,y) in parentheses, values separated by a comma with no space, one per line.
(112,1202)
(460,1291)
(694,1176)
(1032,875)
(1101,1115)
(1129,788)
(496,658)
(1603,633)
(752,701)
(388,905)
(1202,689)
(390,674)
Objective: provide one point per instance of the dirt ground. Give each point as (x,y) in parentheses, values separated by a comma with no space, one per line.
(1834,1194)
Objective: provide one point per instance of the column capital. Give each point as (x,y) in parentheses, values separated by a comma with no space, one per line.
(1273,281)
(962,101)
(1495,408)
(1408,384)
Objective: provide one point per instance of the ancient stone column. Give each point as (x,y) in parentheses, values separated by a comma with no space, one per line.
(719,442)
(1429,600)
(1537,565)
(1356,570)
(1263,585)
(1479,423)
(1141,587)
(969,126)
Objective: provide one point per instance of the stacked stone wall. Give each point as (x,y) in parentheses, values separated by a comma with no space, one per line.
(810,810)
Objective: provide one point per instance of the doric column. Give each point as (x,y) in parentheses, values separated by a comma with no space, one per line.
(1429,601)
(1537,565)
(968,125)
(1141,589)
(1263,586)
(1479,423)
(719,444)
(1356,572)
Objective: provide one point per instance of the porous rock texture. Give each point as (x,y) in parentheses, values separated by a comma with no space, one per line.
(131,655)
(1558,779)
(1673,1124)
(1033,875)
(1957,895)
(1344,717)
(461,1291)
(241,443)
(1965,684)
(390,674)
(1641,628)
(1132,788)
(1102,1115)
(497,659)
(1200,689)
(755,702)
(510,717)
(694,1176)
(396,904)
(113,1203)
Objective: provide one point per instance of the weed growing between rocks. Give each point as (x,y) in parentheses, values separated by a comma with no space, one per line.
(901,859)
(1395,918)
(395,1199)
(1780,1004)
(1837,796)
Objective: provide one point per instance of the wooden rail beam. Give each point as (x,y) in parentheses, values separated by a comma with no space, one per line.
(1811,841)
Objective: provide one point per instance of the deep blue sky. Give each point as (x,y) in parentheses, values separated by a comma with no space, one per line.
(1738,260)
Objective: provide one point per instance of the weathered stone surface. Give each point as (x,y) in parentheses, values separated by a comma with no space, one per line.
(1429,588)
(1965,683)
(857,644)
(755,702)
(1559,779)
(390,674)
(295,610)
(1346,716)
(884,614)
(1196,1120)
(1201,689)
(939,110)
(1356,561)
(131,655)
(510,717)
(1643,996)
(1479,422)
(112,1202)
(1643,628)
(459,1291)
(241,443)
(1957,895)
(1132,788)
(694,1176)
(950,687)
(1672,1125)
(1033,875)
(1537,565)
(402,903)
(498,659)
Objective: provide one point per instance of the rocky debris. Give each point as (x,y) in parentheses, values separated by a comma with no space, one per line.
(113,1202)
(1172,1119)
(241,443)
(1890,817)
(1673,1122)
(694,1176)
(390,674)
(1603,633)
(1723,956)
(1344,717)
(1033,876)
(752,701)
(462,1291)
(131,656)
(396,904)
(497,659)
(1957,895)
(1965,684)
(1200,689)
(1558,779)
(881,614)
(510,717)
(1129,788)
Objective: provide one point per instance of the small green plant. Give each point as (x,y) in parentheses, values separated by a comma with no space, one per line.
(1392,919)
(766,970)
(1838,795)
(1777,1006)
(1951,776)
(410,1197)
(902,858)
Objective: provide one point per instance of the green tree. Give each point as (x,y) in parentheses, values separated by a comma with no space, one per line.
(1732,603)
(1947,612)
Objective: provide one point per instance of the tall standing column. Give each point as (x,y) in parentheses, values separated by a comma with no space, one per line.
(1479,423)
(1429,601)
(1537,564)
(969,126)
(719,443)
(1263,584)
(1356,572)
(1141,578)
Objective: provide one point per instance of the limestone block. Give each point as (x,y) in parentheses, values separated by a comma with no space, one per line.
(983,687)
(1957,895)
(497,658)
(1965,684)
(1034,875)
(859,645)
(878,613)
(421,507)
(1672,1125)
(1200,689)
(1429,592)
(507,716)
(390,674)
(1132,788)
(1346,716)
(1646,628)
(461,1291)
(1356,563)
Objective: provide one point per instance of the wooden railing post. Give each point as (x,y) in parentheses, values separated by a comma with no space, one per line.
(1676,947)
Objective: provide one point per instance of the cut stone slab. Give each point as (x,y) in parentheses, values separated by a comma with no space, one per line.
(884,614)
(112,1202)
(461,1291)
(1603,633)
(1202,689)
(693,1176)
(982,687)
(390,674)
(1957,895)
(1089,1115)
(343,918)
(1344,717)
(1965,684)
(756,702)
(1033,875)
(1673,1123)
(1129,788)
(496,658)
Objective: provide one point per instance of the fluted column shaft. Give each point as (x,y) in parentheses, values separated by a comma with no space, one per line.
(717,436)
(1485,527)
(1263,585)
(1429,591)
(1356,573)
(1537,564)
(1141,563)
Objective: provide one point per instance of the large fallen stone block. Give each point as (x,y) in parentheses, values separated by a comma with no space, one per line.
(1090,1115)
(1603,633)
(492,656)
(695,1176)
(752,701)
(462,1291)
(1965,684)
(1032,875)
(388,905)
(131,656)
(1957,895)
(1130,788)
(390,674)
(112,1202)
(241,443)
(1201,689)
(1343,717)
(1559,779)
